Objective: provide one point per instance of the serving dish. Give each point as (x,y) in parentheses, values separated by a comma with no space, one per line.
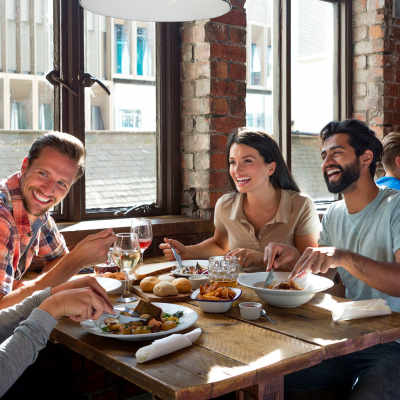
(188,318)
(310,283)
(191,267)
(215,306)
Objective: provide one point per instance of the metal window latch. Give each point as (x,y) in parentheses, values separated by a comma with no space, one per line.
(88,80)
(54,78)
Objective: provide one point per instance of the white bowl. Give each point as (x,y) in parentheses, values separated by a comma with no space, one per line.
(215,306)
(311,284)
(197,280)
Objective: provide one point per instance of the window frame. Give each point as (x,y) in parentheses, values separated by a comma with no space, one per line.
(281,69)
(70,112)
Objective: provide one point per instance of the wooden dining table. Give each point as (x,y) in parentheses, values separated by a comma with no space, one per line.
(235,355)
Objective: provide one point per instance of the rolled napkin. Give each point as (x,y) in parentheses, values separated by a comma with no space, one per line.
(167,345)
(360,309)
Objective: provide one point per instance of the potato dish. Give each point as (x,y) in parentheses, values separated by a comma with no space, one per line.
(215,291)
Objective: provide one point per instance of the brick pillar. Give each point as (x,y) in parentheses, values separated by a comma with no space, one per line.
(376,74)
(213,104)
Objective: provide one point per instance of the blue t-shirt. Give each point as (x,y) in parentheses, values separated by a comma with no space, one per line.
(374,232)
(389,182)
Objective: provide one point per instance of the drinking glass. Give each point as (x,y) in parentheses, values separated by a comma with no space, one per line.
(142,227)
(126,254)
(224,270)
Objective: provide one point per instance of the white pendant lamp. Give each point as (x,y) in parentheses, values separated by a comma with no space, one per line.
(158,10)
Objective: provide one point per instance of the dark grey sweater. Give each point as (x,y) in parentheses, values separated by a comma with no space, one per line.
(24,331)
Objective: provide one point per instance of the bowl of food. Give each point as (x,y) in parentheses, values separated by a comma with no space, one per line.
(284,293)
(213,298)
(197,280)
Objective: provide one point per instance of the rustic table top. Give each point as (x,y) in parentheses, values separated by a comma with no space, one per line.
(232,354)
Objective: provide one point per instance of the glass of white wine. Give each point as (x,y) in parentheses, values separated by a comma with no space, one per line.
(126,254)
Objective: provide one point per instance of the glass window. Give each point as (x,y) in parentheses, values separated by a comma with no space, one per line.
(121,135)
(306,76)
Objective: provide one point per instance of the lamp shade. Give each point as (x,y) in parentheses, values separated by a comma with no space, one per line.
(158,10)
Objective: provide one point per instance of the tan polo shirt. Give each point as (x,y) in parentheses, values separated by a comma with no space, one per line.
(296,215)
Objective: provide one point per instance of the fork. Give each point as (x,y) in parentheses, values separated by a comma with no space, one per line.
(269,278)
(177,258)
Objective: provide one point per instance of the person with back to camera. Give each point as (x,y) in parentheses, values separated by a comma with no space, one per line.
(265,205)
(360,239)
(391,161)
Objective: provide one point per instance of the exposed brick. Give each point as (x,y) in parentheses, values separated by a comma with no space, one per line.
(188,89)
(203,199)
(226,124)
(187,52)
(188,161)
(235,17)
(238,106)
(237,35)
(187,123)
(201,51)
(238,3)
(360,33)
(201,161)
(214,196)
(218,142)
(202,124)
(389,74)
(202,87)
(360,62)
(219,180)
(219,69)
(376,31)
(187,33)
(375,60)
(199,34)
(216,32)
(237,71)
(219,106)
(196,106)
(227,88)
(196,179)
(360,116)
(227,52)
(199,142)
(218,161)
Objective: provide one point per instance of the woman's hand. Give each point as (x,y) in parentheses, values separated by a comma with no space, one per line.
(178,246)
(248,259)
(79,304)
(280,256)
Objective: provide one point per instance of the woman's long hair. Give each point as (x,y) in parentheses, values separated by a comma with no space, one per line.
(269,150)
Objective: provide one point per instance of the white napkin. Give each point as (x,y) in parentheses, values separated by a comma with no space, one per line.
(360,309)
(167,345)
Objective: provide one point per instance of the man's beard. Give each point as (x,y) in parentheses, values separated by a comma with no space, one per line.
(349,175)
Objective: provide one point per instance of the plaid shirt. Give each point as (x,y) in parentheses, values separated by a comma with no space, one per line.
(20,243)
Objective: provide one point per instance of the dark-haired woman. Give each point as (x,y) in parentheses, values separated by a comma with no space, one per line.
(265,207)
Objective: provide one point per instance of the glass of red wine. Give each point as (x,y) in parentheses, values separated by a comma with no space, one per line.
(142,227)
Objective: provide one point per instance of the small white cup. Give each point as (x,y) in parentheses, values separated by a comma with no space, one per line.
(250,310)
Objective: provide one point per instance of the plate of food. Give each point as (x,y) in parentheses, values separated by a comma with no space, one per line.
(192,267)
(142,321)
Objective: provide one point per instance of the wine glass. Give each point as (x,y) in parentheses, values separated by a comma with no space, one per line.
(126,254)
(142,227)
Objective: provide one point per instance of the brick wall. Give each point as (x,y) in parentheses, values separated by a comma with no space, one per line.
(213,104)
(376,85)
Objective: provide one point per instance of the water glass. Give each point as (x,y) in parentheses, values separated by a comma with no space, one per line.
(224,270)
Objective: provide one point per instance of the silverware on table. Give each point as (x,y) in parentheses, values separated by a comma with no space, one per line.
(266,316)
(177,258)
(269,278)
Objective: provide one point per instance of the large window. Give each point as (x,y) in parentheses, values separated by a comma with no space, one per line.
(110,83)
(296,78)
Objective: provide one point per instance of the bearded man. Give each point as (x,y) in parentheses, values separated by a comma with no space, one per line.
(360,239)
(27,231)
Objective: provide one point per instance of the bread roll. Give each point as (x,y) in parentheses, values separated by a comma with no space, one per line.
(164,288)
(182,284)
(147,284)
(165,277)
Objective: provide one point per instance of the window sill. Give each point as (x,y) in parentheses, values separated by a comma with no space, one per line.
(180,227)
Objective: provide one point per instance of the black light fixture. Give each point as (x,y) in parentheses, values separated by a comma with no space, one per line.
(158,10)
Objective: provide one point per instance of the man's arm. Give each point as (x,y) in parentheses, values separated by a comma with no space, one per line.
(91,250)
(383,276)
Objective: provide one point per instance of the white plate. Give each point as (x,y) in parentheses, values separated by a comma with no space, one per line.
(186,321)
(189,263)
(108,284)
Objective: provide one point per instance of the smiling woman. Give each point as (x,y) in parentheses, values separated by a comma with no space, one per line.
(266,206)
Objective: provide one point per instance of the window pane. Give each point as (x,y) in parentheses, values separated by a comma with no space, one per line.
(121,139)
(26,99)
(313,93)
(259,73)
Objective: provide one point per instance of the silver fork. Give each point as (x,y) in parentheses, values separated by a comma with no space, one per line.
(269,278)
(177,258)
